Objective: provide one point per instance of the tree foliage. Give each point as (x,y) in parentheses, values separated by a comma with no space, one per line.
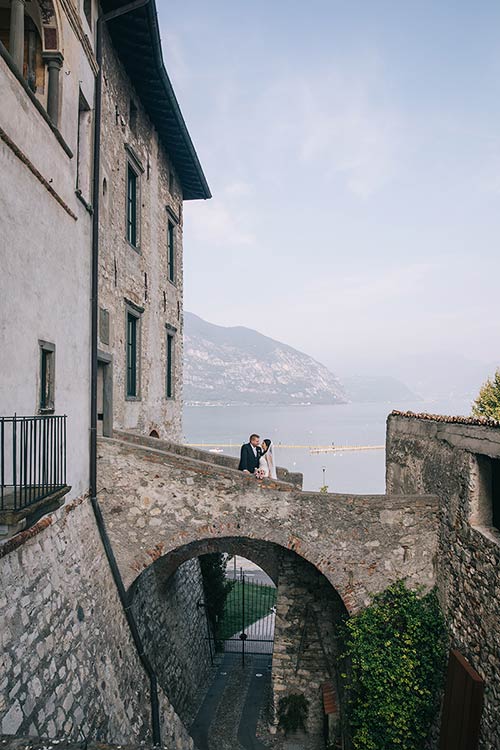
(216,586)
(487,404)
(394,658)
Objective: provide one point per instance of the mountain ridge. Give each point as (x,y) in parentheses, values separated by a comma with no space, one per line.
(240,365)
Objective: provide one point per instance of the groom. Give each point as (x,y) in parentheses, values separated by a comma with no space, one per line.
(250,455)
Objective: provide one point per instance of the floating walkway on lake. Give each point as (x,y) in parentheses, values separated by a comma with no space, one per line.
(310,448)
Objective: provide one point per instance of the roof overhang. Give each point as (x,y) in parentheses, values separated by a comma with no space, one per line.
(136,38)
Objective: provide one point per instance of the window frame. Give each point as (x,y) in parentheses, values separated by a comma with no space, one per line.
(134,165)
(170,362)
(133,312)
(172,227)
(132,222)
(46,391)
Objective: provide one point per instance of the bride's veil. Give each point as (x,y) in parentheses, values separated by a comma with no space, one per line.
(271,461)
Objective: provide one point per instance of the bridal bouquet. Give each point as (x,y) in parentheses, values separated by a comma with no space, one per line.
(259,473)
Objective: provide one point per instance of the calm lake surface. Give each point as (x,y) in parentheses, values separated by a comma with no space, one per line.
(346,424)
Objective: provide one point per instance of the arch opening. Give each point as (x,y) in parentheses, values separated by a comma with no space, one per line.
(169,603)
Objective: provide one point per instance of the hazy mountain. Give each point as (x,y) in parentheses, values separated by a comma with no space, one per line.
(377,389)
(239,365)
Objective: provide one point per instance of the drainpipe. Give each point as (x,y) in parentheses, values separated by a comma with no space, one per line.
(155,711)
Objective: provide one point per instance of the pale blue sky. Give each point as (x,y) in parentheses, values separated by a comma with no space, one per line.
(353,152)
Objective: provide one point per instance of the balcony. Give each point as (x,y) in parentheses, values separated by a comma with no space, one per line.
(32,469)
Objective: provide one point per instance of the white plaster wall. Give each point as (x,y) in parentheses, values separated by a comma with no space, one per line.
(45,258)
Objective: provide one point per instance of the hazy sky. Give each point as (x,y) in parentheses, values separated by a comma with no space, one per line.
(353,152)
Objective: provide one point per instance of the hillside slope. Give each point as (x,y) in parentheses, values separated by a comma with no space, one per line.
(238,365)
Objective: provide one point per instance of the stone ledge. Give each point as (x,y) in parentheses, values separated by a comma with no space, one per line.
(156,451)
(16,520)
(478,421)
(229,462)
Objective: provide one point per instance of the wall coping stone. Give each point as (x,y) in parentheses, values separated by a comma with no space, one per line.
(229,462)
(479,421)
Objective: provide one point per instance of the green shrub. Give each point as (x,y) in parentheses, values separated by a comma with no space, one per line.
(394,658)
(292,712)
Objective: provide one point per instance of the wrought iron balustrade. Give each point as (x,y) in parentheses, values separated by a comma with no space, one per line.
(32,459)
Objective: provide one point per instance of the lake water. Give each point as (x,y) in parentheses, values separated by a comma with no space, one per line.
(345,424)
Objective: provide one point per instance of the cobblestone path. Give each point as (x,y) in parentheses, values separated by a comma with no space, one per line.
(228,716)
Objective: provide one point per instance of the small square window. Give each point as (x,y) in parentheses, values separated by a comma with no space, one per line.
(47,376)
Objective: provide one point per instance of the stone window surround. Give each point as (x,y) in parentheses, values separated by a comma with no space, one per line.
(481,501)
(134,161)
(173,218)
(132,309)
(48,347)
(171,332)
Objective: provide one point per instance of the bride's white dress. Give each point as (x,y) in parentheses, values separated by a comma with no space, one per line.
(266,463)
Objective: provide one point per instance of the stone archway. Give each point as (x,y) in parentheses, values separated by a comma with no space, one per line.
(165,601)
(157,503)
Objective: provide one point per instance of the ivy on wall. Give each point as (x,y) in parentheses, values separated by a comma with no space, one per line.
(394,655)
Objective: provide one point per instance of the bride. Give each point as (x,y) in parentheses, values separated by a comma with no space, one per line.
(266,462)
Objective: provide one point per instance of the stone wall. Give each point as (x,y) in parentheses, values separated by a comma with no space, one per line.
(447,458)
(68,666)
(138,275)
(44,284)
(174,632)
(162,505)
(305,638)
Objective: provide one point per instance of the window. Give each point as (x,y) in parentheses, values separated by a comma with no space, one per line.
(171,182)
(132,355)
(84,151)
(485,505)
(132,116)
(170,366)
(87,9)
(47,372)
(171,251)
(132,178)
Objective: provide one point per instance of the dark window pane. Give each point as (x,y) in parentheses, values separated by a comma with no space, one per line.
(87,9)
(46,379)
(170,366)
(171,251)
(131,206)
(131,355)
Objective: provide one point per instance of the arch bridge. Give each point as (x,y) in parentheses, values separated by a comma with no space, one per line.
(164,503)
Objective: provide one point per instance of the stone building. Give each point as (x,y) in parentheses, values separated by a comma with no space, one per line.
(148,167)
(458,459)
(71,663)
(47,79)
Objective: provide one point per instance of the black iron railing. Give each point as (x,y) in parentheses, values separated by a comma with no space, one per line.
(32,459)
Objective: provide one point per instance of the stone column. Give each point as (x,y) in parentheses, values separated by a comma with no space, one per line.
(16,34)
(54,62)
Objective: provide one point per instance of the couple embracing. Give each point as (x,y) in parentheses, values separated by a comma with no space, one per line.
(258,458)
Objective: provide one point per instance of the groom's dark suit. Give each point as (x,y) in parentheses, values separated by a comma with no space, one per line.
(248,460)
